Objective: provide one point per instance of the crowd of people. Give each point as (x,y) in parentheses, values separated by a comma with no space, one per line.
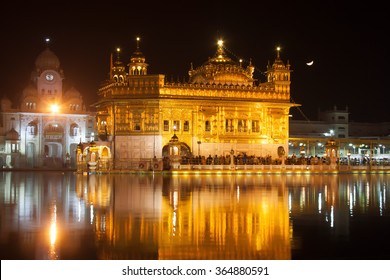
(243,159)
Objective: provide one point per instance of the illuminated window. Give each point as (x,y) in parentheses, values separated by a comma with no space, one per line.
(255,126)
(176,125)
(186,126)
(166,125)
(242,126)
(229,125)
(74,130)
(207,126)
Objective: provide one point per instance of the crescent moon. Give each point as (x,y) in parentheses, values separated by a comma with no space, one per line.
(310,63)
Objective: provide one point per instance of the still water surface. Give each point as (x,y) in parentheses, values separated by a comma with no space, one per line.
(56,215)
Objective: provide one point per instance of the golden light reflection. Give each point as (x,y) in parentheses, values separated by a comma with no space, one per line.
(209,222)
(213,217)
(53,233)
(52,254)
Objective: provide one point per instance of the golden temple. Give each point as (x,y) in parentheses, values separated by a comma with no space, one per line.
(221,109)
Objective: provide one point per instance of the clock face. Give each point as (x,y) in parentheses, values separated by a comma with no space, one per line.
(49,77)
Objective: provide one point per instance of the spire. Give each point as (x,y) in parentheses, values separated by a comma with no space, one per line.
(117,69)
(111,65)
(118,52)
(278,52)
(279,74)
(137,65)
(278,63)
(220,51)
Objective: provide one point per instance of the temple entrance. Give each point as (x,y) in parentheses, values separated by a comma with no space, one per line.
(53,154)
(30,154)
(183,150)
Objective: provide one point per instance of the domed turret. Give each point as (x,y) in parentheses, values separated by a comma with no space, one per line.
(137,65)
(6,104)
(12,134)
(72,93)
(47,60)
(118,70)
(221,69)
(30,90)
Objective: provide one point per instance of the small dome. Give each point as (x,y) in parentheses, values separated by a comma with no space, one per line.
(47,60)
(138,57)
(174,139)
(72,93)
(30,90)
(12,134)
(80,146)
(6,103)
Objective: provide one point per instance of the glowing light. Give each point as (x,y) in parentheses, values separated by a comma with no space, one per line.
(54,108)
(220,43)
(175,199)
(331,216)
(91,214)
(118,49)
(53,233)
(319,202)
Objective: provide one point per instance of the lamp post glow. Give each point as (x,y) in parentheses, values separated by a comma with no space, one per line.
(54,108)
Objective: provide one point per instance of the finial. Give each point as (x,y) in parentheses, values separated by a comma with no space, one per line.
(240,62)
(47,41)
(138,39)
(220,51)
(118,50)
(278,51)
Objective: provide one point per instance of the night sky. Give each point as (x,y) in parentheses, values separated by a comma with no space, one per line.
(347,42)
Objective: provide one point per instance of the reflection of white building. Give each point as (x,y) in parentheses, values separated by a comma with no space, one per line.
(48,123)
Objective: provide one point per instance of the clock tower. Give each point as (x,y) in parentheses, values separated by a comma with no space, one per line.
(50,122)
(49,77)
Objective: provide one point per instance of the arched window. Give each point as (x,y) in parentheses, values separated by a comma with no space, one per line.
(74,130)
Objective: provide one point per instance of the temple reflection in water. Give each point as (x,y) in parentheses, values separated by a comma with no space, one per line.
(125,216)
(179,217)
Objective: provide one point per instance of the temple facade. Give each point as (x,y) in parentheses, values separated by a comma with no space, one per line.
(46,126)
(221,110)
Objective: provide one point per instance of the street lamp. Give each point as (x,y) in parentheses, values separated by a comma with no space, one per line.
(199,147)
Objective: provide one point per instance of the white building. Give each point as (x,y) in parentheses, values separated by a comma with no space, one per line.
(44,129)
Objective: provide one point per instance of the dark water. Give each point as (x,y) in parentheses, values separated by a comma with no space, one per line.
(57,215)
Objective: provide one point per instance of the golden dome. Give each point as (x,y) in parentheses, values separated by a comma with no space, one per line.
(221,69)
